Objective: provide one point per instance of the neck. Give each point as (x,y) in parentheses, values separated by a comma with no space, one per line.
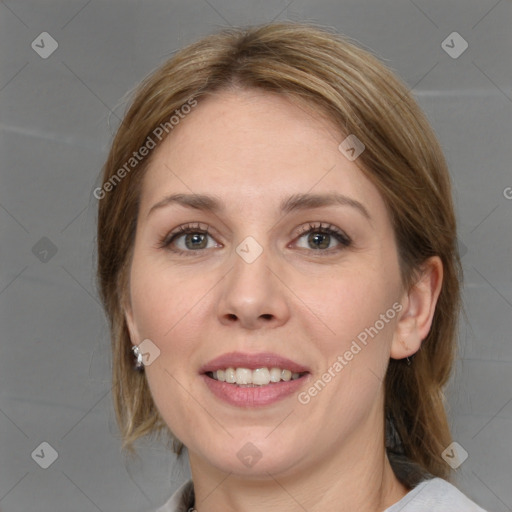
(358,477)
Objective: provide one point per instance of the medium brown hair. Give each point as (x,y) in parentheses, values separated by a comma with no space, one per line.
(402,158)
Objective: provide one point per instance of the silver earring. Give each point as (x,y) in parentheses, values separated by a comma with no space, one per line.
(139,364)
(409,361)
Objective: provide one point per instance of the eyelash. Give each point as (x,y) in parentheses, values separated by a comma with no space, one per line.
(329,229)
(168,239)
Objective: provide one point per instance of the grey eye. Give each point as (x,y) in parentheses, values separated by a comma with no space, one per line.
(319,240)
(196,240)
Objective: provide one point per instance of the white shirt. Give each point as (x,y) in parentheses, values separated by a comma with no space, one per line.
(434,495)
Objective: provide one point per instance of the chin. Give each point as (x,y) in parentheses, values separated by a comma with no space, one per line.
(255,456)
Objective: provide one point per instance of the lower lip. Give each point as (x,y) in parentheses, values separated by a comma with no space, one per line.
(253,396)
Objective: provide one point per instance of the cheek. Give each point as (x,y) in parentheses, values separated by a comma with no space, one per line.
(175,403)
(352,340)
(167,307)
(353,343)
(346,303)
(164,300)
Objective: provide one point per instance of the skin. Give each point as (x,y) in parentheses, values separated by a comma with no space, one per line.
(251,150)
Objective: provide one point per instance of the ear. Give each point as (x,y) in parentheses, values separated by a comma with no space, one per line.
(130,322)
(419,304)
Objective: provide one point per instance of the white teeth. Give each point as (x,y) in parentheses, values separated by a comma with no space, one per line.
(243,376)
(286,375)
(230,375)
(257,377)
(261,376)
(275,374)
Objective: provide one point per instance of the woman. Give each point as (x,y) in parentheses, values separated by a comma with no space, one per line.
(277,257)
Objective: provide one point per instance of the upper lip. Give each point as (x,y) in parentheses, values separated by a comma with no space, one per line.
(252,362)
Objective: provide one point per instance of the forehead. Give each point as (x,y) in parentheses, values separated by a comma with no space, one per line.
(251,145)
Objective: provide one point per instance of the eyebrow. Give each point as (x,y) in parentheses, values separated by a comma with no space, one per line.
(294,202)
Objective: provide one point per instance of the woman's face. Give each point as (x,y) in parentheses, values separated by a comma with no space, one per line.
(259,245)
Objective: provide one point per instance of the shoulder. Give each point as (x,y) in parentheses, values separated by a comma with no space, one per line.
(435,495)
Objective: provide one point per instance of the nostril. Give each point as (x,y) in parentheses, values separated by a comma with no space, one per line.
(266,316)
(231,316)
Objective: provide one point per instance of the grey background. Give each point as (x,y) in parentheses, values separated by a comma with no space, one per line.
(54,352)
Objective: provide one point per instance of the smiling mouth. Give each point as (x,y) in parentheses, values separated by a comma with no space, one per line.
(245,377)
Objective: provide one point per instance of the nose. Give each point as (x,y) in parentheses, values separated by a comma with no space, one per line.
(252,295)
